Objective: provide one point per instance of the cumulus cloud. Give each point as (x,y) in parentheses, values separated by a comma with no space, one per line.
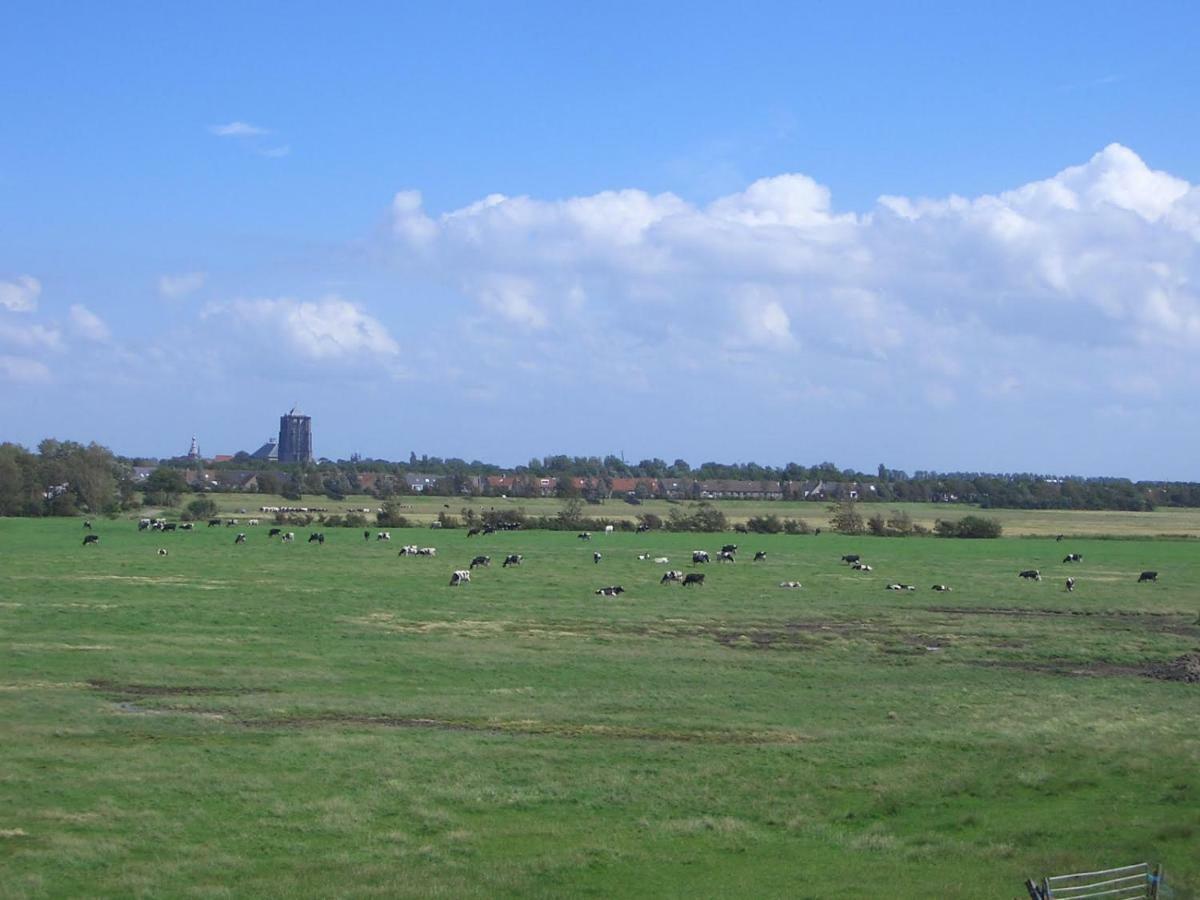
(87,325)
(174,287)
(30,335)
(21,294)
(238,129)
(326,330)
(1100,254)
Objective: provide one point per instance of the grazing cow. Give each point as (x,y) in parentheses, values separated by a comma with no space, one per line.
(186,526)
(612,591)
(427,551)
(608,529)
(473,531)
(513,559)
(901,587)
(584,535)
(274,532)
(87,523)
(409,550)
(596,557)
(725,556)
(169,526)
(1072,557)
(643,556)
(481,561)
(252,521)
(1032,574)
(366,535)
(662,560)
(213,523)
(162,551)
(851,558)
(289,537)
(317,537)
(673,575)
(91,539)
(699,556)
(460,576)
(241,538)
(1147,576)
(760,555)
(789,584)
(941,587)
(693,578)
(861,567)
(642,527)
(143,524)
(729,548)
(1058,539)
(383,536)
(1070,584)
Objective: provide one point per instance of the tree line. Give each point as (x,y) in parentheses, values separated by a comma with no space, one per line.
(68,478)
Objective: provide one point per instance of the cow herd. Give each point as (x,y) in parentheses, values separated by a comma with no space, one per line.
(727,554)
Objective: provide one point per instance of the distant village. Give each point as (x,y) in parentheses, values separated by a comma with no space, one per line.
(286,465)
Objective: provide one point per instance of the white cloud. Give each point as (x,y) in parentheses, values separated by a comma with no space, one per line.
(276,152)
(23,370)
(30,335)
(238,129)
(174,287)
(326,330)
(21,294)
(88,325)
(929,302)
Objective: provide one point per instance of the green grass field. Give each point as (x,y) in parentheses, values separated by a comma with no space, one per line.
(275,720)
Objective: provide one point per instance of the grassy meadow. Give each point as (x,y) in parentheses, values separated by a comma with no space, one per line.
(275,720)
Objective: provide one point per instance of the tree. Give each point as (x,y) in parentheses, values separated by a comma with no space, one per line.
(164,486)
(571,514)
(200,508)
(845,518)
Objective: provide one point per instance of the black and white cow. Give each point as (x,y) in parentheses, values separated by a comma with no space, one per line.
(427,551)
(1031,574)
(91,539)
(289,537)
(584,535)
(642,527)
(699,556)
(760,555)
(861,567)
(513,559)
(1072,557)
(789,584)
(851,558)
(1147,576)
(1070,584)
(729,548)
(460,576)
(241,538)
(596,557)
(214,523)
(901,587)
(317,537)
(725,556)
(673,575)
(274,532)
(169,526)
(693,578)
(941,588)
(383,536)
(162,551)
(612,591)
(481,561)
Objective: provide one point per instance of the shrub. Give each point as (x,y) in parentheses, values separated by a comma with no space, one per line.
(200,508)
(968,527)
(651,521)
(445,520)
(765,524)
(796,526)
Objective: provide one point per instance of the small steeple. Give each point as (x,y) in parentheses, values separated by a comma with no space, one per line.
(194,451)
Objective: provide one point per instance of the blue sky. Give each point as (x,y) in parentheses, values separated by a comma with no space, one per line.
(934,236)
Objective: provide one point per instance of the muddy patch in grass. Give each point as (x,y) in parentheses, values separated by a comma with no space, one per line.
(171,690)
(1069,667)
(1185,668)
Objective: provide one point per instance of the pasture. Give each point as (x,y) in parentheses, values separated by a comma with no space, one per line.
(422,510)
(278,720)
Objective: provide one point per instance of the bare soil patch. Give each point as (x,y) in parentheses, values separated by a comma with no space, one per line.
(1185,668)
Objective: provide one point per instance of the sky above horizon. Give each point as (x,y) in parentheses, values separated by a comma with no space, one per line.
(932,236)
